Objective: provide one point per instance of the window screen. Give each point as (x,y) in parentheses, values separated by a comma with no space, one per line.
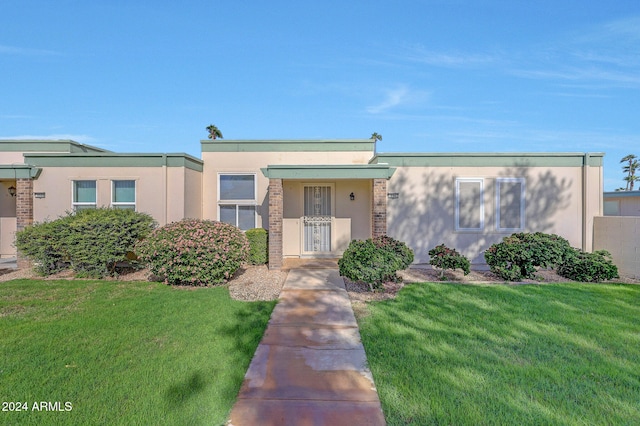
(469,209)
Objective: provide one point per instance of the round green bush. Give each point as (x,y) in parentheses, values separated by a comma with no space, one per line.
(258,246)
(519,255)
(588,267)
(375,261)
(194,252)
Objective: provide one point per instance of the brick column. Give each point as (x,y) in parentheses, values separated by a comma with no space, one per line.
(275,223)
(379,208)
(24,211)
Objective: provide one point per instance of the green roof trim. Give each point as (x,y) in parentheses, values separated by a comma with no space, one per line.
(63,146)
(224,145)
(490,159)
(114,160)
(339,171)
(621,194)
(19,171)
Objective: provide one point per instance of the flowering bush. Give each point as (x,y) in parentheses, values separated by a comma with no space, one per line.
(443,258)
(194,252)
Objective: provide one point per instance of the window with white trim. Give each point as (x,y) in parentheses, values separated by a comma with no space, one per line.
(510,204)
(469,204)
(83,194)
(237,199)
(123,194)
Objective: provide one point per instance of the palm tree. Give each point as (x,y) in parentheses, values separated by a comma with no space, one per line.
(376,137)
(214,132)
(630,169)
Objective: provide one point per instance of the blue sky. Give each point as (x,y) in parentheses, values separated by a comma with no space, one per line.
(435,76)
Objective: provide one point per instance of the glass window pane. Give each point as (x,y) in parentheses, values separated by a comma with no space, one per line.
(237,187)
(246,217)
(228,214)
(84,206)
(84,191)
(510,208)
(125,206)
(469,205)
(124,191)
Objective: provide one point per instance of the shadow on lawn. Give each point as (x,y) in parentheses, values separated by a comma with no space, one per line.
(534,354)
(240,335)
(181,392)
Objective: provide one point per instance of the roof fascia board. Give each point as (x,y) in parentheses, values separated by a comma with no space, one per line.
(114,160)
(19,171)
(348,171)
(328,145)
(525,159)
(62,146)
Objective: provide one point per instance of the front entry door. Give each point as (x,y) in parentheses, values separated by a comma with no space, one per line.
(317,219)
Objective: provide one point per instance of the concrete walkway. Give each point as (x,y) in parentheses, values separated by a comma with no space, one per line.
(310,367)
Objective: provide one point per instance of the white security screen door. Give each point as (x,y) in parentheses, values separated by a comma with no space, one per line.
(317,219)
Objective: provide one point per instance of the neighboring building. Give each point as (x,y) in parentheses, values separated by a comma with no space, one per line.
(314,196)
(622,203)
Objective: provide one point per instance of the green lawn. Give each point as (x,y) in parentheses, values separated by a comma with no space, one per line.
(565,354)
(124,352)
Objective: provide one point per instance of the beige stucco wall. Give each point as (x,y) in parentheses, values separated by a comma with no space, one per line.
(11,157)
(8,226)
(620,236)
(252,162)
(423,215)
(160,191)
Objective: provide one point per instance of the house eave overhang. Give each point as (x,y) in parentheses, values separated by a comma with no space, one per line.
(490,159)
(19,171)
(340,171)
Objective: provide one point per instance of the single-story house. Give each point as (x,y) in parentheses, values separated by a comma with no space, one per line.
(314,196)
(622,203)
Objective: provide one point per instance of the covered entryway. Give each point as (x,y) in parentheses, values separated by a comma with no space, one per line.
(316,210)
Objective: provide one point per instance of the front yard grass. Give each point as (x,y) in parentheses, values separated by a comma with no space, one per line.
(123,352)
(501,354)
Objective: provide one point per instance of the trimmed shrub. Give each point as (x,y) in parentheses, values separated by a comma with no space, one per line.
(400,249)
(375,261)
(43,244)
(443,258)
(519,255)
(92,242)
(588,267)
(258,245)
(194,252)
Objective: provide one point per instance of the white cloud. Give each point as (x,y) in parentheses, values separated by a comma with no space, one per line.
(393,98)
(12,50)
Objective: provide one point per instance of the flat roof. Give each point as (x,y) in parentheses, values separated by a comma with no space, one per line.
(111,159)
(321,145)
(328,171)
(489,159)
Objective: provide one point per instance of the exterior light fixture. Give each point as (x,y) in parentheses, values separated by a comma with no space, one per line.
(12,190)
(352,196)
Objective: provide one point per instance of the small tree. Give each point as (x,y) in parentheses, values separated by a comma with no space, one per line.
(214,132)
(630,168)
(443,258)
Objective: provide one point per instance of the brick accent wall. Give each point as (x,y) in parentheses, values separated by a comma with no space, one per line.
(275,223)
(379,208)
(24,211)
